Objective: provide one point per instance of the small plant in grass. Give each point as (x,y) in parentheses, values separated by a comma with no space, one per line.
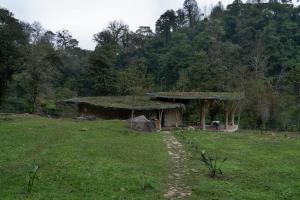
(31,178)
(196,146)
(212,163)
(181,134)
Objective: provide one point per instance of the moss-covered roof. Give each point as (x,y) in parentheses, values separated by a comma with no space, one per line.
(225,96)
(126,102)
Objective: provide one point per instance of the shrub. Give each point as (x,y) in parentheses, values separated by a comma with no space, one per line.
(212,164)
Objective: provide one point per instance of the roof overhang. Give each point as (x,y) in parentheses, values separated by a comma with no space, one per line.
(222,96)
(126,102)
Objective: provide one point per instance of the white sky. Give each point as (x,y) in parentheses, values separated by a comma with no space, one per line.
(84,18)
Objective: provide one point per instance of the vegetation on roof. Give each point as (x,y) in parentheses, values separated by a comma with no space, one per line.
(198,95)
(126,102)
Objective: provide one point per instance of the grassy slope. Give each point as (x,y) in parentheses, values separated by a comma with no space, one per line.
(105,162)
(258,166)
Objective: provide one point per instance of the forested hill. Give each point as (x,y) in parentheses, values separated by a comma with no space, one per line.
(249,47)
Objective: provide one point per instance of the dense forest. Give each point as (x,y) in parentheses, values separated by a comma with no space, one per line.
(251,47)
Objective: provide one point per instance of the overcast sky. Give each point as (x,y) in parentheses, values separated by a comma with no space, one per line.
(84,18)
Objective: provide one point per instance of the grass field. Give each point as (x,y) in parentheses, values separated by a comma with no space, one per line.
(259,166)
(102,160)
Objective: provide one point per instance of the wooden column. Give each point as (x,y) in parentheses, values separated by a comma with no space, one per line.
(202,115)
(160,113)
(176,118)
(132,116)
(232,118)
(181,117)
(226,115)
(235,107)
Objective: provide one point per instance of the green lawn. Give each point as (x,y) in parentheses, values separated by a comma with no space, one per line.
(259,166)
(104,162)
(108,162)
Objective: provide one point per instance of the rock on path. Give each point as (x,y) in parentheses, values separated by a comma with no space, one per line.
(176,187)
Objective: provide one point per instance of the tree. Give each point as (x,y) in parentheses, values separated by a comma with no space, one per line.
(104,37)
(13,40)
(117,33)
(118,30)
(48,37)
(137,40)
(217,10)
(134,80)
(64,40)
(294,84)
(180,18)
(36,32)
(144,31)
(191,11)
(38,73)
(203,75)
(177,56)
(102,71)
(166,24)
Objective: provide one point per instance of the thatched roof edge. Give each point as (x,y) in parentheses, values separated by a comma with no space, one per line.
(126,102)
(224,96)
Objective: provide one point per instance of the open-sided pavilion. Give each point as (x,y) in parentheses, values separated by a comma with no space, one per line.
(229,100)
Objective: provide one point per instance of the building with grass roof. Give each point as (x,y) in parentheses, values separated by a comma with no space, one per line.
(229,102)
(166,108)
(167,114)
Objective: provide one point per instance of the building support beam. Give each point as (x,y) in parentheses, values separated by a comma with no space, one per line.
(132,116)
(203,105)
(232,118)
(160,115)
(177,113)
(235,106)
(226,115)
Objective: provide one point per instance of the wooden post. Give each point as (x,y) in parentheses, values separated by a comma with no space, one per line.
(239,116)
(202,115)
(160,113)
(176,112)
(232,118)
(226,115)
(131,123)
(181,118)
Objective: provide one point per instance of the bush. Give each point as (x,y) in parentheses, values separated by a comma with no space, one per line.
(212,163)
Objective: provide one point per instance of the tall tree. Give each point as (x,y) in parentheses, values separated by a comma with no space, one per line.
(104,37)
(145,31)
(166,24)
(12,40)
(180,18)
(65,40)
(134,80)
(192,11)
(102,70)
(38,73)
(217,10)
(116,33)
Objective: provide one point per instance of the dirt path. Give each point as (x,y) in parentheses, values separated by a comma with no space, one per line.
(176,187)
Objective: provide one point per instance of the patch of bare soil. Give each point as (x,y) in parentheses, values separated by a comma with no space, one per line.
(176,187)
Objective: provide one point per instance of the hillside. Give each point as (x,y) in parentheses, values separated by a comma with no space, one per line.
(246,47)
